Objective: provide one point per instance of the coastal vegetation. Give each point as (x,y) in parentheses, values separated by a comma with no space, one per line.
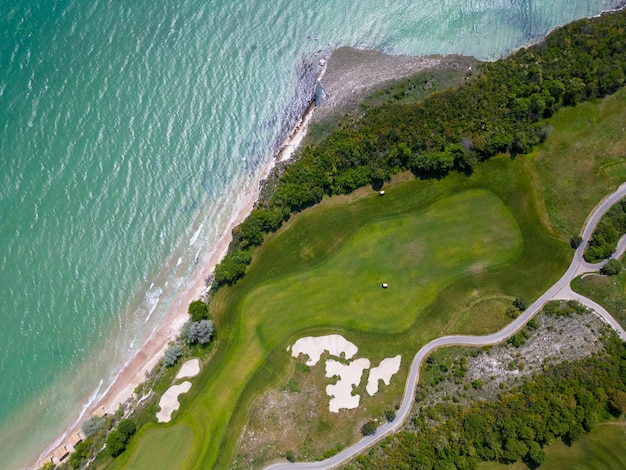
(500,110)
(314,276)
(564,401)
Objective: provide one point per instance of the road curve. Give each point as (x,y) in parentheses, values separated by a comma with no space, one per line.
(560,290)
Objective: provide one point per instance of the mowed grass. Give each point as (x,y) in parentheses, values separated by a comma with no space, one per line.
(416,254)
(167,445)
(440,244)
(604,448)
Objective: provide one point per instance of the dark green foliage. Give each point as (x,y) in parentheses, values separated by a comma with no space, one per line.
(198,310)
(80,455)
(501,109)
(612,267)
(199,332)
(575,241)
(520,303)
(116,443)
(127,428)
(172,354)
(608,231)
(564,403)
(390,414)
(93,426)
(369,427)
(519,338)
(232,267)
(290,456)
(47,466)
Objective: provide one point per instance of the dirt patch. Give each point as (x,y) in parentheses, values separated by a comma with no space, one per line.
(353,74)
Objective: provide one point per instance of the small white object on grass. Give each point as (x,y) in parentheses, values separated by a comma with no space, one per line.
(382,193)
(385,285)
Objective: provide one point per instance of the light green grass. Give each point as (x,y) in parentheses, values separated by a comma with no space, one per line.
(583,160)
(166,448)
(440,244)
(604,448)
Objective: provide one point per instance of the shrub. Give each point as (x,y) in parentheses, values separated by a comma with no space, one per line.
(172,354)
(47,466)
(575,241)
(369,428)
(198,310)
(93,426)
(611,268)
(127,427)
(290,456)
(116,443)
(198,332)
(390,414)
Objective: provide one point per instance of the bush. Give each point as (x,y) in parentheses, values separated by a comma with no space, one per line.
(198,310)
(116,443)
(520,303)
(172,354)
(290,456)
(575,241)
(390,414)
(47,466)
(369,428)
(93,426)
(198,332)
(80,455)
(127,427)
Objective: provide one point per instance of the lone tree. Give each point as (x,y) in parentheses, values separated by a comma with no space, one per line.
(575,241)
(198,332)
(520,303)
(369,428)
(198,310)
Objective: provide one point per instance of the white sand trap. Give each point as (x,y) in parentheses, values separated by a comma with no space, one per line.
(169,401)
(384,371)
(349,375)
(191,368)
(315,346)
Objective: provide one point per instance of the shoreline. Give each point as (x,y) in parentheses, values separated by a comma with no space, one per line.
(134,371)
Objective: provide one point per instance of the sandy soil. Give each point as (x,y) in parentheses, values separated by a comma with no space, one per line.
(169,401)
(384,371)
(191,368)
(336,345)
(341,391)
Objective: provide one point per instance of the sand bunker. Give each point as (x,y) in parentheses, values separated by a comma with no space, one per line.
(191,368)
(349,375)
(315,346)
(384,371)
(169,401)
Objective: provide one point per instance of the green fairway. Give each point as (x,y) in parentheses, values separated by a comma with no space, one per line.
(167,446)
(441,245)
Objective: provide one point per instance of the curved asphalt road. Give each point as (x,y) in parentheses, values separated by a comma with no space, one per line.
(560,290)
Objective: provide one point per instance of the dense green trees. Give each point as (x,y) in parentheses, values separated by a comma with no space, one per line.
(118,438)
(564,403)
(500,109)
(608,231)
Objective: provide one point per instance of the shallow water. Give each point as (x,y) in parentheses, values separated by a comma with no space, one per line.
(130,131)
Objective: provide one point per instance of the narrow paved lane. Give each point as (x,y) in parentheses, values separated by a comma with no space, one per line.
(560,290)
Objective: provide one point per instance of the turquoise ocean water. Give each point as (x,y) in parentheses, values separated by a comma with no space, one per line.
(130,130)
